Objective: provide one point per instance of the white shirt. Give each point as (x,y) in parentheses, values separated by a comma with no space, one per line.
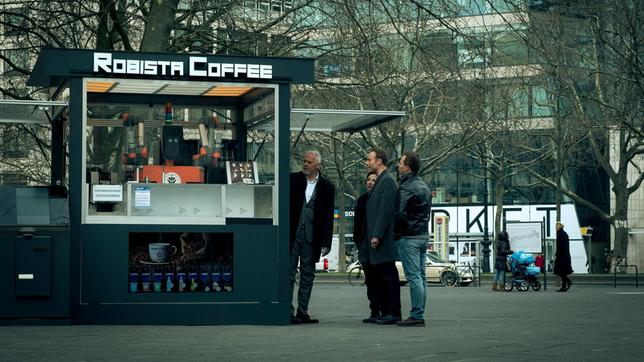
(310,187)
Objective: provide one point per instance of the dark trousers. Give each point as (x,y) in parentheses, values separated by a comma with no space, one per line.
(301,255)
(373,289)
(565,282)
(386,277)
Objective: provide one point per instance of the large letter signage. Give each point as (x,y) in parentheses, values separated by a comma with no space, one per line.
(197,66)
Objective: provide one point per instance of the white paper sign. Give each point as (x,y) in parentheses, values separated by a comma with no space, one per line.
(107,193)
(142,197)
(525,236)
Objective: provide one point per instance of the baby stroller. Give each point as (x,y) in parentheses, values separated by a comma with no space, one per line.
(524,272)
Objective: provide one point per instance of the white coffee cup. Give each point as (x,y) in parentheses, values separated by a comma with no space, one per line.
(161,252)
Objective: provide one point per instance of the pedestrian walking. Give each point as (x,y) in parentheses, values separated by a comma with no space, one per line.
(563,266)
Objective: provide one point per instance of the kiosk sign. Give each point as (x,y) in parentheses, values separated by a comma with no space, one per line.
(197,66)
(107,193)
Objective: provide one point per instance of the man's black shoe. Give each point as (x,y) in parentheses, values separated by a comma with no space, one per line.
(295,320)
(411,322)
(306,319)
(568,285)
(371,319)
(388,319)
(561,290)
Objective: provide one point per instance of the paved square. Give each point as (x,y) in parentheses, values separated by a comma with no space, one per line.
(469,323)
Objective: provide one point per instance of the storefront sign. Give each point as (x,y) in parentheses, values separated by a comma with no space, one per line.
(197,66)
(467,219)
(107,193)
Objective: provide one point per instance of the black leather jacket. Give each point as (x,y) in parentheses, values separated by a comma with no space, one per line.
(413,202)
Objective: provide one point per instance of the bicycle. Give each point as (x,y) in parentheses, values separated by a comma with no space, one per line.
(356,274)
(459,274)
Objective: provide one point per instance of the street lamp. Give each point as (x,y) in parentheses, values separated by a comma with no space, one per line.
(486,241)
(587,233)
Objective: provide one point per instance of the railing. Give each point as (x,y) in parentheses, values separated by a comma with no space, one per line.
(623,267)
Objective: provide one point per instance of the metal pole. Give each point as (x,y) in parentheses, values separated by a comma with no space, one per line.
(486,241)
(544,248)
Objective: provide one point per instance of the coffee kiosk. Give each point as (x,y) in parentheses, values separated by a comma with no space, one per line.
(178,184)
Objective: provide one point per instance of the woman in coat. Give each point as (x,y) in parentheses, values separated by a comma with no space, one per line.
(501,258)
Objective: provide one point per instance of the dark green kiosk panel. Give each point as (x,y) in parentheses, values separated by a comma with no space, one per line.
(34,263)
(178,178)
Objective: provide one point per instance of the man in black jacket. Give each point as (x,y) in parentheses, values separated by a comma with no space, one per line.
(411,228)
(311,229)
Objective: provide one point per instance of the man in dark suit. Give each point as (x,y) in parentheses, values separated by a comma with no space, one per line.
(563,266)
(311,229)
(383,252)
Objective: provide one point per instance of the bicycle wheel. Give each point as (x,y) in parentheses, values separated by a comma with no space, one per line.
(356,276)
(449,277)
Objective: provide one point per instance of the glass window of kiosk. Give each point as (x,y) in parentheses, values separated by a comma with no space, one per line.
(164,152)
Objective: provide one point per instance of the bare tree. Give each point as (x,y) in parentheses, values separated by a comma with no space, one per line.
(589,53)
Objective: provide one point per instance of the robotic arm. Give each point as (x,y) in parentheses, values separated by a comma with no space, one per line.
(137,152)
(208,155)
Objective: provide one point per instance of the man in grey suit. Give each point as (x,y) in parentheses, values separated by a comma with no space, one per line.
(311,229)
(383,252)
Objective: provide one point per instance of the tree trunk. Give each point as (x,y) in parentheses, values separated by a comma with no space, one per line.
(500,190)
(621,217)
(160,23)
(103,41)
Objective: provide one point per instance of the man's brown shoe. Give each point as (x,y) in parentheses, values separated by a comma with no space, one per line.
(411,322)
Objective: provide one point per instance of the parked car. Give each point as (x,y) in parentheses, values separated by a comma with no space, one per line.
(434,266)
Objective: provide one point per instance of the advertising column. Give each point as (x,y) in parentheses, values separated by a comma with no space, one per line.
(441,235)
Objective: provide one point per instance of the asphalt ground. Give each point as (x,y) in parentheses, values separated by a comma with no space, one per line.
(588,323)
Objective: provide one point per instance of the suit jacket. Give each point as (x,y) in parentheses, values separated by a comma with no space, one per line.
(322,210)
(380,220)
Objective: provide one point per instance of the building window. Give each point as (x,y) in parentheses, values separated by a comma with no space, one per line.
(13,178)
(13,143)
(540,104)
(16,58)
(508,48)
(15,22)
(439,48)
(472,51)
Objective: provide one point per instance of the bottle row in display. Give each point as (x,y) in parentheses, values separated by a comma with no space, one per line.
(181,279)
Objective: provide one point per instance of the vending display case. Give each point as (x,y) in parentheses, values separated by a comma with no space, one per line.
(178,183)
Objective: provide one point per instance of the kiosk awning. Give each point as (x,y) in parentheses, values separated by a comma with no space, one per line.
(318,120)
(28,111)
(331,120)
